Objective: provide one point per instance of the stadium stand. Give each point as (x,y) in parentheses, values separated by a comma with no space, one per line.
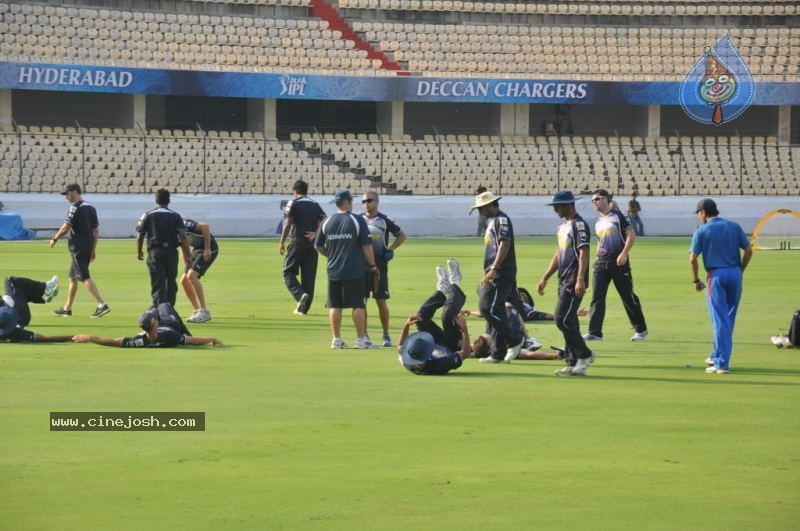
(620,40)
(299,42)
(188,161)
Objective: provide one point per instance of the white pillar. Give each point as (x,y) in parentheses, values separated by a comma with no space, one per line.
(653,120)
(6,110)
(514,119)
(784,124)
(262,116)
(391,117)
(139,114)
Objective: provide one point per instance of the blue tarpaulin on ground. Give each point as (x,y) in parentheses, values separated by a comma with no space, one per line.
(11,228)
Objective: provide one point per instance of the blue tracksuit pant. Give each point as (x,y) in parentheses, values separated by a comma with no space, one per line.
(724,291)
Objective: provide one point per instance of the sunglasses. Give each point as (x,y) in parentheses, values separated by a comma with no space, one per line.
(596,199)
(367,201)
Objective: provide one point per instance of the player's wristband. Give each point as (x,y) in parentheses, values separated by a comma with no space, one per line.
(371,266)
(696,281)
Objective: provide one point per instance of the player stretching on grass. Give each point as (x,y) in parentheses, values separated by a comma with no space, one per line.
(162,327)
(434,349)
(15,314)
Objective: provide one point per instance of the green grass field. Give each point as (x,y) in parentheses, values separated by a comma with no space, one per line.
(302,437)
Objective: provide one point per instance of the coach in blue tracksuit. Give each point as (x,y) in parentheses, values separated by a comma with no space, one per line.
(719,241)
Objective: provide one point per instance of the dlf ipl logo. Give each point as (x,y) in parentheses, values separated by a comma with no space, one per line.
(719,87)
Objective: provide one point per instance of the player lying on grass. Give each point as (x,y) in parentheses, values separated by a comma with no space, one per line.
(162,327)
(15,314)
(491,349)
(434,349)
(522,301)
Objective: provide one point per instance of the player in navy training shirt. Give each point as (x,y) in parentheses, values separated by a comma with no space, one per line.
(162,327)
(84,230)
(302,217)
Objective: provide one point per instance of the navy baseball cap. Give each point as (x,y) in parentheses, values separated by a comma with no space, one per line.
(9,319)
(417,348)
(147,319)
(708,206)
(563,197)
(342,195)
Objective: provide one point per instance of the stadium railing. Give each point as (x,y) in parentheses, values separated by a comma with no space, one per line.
(105,160)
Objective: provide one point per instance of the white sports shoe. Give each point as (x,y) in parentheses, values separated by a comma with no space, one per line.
(532,344)
(490,359)
(338,342)
(591,337)
(580,367)
(365,342)
(200,316)
(513,352)
(9,301)
(709,361)
(50,289)
(454,271)
(566,371)
(441,280)
(639,336)
(781,341)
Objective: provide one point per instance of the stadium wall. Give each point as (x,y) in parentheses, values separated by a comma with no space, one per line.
(258,216)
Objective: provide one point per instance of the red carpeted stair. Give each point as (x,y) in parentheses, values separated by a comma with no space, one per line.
(324,11)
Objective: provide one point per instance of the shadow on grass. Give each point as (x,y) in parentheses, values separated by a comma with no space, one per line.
(717,379)
(265,323)
(760,371)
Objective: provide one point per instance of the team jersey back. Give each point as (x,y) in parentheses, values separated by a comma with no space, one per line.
(196,238)
(610,230)
(499,228)
(82,219)
(162,227)
(306,214)
(572,235)
(380,227)
(166,337)
(342,236)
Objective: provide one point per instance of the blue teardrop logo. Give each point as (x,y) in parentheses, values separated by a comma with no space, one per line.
(720,86)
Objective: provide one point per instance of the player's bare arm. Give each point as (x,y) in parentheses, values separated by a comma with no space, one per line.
(287,225)
(502,252)
(547,274)
(205,230)
(583,267)
(139,244)
(62,230)
(213,341)
(98,340)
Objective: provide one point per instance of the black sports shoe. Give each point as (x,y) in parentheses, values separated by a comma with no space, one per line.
(61,312)
(100,311)
(302,304)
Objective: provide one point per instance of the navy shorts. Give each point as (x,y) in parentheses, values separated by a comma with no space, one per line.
(383,284)
(79,269)
(199,263)
(346,293)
